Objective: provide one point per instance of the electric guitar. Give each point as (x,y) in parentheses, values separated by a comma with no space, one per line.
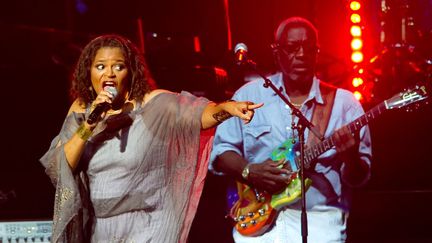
(254,212)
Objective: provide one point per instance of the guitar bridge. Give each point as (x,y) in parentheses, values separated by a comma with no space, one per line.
(259,196)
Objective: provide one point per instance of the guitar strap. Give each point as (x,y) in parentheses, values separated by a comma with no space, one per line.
(322,112)
(320,119)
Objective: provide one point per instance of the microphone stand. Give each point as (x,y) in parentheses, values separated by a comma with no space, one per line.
(302,124)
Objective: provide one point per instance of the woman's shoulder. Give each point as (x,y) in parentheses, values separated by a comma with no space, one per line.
(78,106)
(152,94)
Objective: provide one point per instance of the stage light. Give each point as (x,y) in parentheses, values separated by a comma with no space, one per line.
(355,18)
(358,95)
(357,57)
(356,31)
(355,6)
(197,44)
(356,44)
(357,81)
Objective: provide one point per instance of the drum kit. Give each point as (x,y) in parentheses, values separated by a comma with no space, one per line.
(405,57)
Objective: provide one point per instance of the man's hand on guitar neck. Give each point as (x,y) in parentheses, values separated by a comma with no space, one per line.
(346,143)
(269,176)
(347,147)
(345,140)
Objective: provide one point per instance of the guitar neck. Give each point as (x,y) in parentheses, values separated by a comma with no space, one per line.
(321,147)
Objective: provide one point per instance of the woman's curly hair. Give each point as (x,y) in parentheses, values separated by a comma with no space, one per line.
(139,79)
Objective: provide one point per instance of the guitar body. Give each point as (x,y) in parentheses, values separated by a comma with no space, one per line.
(255,211)
(287,151)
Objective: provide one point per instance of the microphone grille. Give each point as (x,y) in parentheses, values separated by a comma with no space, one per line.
(240,46)
(112,90)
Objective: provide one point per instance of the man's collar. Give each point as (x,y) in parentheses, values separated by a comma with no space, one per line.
(314,92)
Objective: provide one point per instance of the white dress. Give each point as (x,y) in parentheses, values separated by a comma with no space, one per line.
(140,176)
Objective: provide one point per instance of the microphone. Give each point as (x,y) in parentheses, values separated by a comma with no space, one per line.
(100,108)
(240,51)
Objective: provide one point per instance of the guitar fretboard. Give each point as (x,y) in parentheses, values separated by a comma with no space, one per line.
(321,147)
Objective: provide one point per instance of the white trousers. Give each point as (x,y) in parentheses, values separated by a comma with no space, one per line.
(325,225)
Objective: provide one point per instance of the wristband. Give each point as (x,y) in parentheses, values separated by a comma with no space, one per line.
(83,132)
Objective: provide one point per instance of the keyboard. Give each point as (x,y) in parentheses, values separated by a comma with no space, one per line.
(25,231)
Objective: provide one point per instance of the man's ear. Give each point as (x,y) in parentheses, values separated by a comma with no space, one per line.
(276,57)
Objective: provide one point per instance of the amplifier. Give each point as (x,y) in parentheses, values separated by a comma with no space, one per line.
(25,231)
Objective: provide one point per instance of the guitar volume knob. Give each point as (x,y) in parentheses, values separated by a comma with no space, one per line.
(251,214)
(243,225)
(241,217)
(261,211)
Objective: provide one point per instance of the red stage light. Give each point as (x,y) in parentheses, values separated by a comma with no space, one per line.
(357,57)
(357,81)
(356,31)
(355,18)
(356,44)
(358,95)
(197,44)
(355,5)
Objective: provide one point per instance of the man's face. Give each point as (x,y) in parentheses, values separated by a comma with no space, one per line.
(297,54)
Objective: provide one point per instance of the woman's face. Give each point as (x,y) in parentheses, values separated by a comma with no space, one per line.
(109,69)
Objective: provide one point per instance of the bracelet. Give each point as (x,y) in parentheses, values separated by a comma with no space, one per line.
(245,172)
(83,132)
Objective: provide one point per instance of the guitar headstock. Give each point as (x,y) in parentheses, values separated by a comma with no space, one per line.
(408,97)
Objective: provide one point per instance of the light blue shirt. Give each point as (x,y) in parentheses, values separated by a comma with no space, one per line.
(271,126)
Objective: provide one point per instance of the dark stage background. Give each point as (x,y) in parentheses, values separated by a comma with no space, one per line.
(41,40)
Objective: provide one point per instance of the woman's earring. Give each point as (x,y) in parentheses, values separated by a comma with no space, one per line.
(92,92)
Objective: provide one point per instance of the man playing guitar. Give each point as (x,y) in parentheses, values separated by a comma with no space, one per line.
(250,153)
